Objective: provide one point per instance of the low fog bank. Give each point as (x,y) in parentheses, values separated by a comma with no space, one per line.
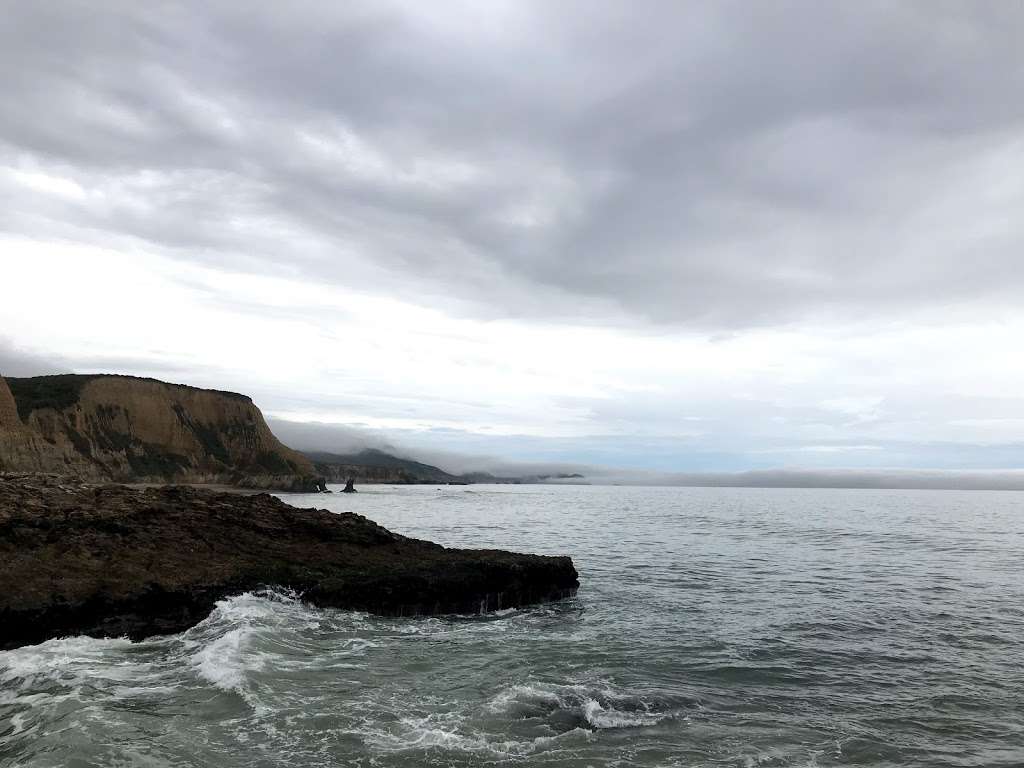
(335,438)
(441,448)
(331,438)
(345,439)
(939,479)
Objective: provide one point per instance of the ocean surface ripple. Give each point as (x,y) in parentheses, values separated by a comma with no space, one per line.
(714,627)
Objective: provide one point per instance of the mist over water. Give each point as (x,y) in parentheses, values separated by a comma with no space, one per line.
(718,626)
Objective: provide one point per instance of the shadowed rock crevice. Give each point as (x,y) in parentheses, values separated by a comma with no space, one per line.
(114,561)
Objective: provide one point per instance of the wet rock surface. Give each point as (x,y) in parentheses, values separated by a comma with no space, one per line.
(113,561)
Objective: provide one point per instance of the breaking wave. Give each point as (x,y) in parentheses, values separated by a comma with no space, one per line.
(580,705)
(716,628)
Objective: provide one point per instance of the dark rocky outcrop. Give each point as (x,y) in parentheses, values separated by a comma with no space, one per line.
(127,429)
(112,560)
(350,486)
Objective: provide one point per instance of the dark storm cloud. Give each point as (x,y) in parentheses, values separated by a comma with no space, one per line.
(719,164)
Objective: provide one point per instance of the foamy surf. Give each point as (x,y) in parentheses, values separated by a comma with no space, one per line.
(455,734)
(629,673)
(595,705)
(604,716)
(241,636)
(226,661)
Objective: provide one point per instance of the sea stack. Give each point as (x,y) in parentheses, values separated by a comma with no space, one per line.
(350,486)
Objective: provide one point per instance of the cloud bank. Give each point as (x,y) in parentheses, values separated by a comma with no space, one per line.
(671,236)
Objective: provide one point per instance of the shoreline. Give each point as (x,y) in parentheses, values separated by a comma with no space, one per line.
(116,560)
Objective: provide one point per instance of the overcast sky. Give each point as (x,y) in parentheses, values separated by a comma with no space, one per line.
(665,235)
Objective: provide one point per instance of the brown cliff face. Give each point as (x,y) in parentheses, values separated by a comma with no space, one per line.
(20,447)
(140,430)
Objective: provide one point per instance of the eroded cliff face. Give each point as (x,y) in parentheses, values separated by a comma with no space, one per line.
(19,448)
(127,429)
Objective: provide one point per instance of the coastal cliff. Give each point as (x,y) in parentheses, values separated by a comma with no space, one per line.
(110,561)
(127,429)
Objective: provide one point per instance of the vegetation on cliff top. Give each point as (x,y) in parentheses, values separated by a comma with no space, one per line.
(373,458)
(38,392)
(63,390)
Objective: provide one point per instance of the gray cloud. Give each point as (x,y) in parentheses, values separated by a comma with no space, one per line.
(15,361)
(846,173)
(717,165)
(331,438)
(724,455)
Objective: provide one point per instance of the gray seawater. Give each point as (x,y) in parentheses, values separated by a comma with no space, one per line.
(716,627)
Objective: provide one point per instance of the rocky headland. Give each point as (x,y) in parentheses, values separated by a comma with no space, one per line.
(373,466)
(108,560)
(126,429)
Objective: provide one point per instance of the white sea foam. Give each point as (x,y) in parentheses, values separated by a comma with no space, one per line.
(46,681)
(607,717)
(220,647)
(249,633)
(607,679)
(54,656)
(270,606)
(452,734)
(517,694)
(594,704)
(224,661)
(17,721)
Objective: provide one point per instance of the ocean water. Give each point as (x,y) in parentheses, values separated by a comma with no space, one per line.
(714,627)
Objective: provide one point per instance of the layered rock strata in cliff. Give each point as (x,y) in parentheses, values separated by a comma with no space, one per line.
(116,561)
(128,429)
